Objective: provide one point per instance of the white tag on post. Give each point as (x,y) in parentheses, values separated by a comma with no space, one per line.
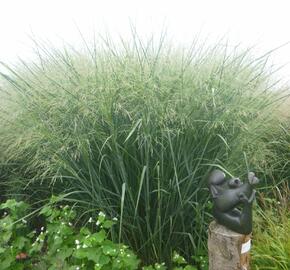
(246,247)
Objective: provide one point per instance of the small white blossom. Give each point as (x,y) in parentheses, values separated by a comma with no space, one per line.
(77,242)
(102,214)
(90,220)
(85,246)
(98,223)
(42,228)
(115,219)
(78,246)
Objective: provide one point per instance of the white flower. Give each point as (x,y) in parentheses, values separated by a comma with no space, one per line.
(78,246)
(102,214)
(77,242)
(78,268)
(98,223)
(70,224)
(42,228)
(115,219)
(85,246)
(90,220)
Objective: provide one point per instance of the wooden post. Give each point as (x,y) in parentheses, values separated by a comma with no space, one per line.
(228,250)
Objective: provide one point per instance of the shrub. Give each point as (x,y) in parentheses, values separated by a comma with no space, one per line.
(133,132)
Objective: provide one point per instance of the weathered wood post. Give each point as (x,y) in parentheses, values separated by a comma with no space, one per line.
(227,249)
(229,237)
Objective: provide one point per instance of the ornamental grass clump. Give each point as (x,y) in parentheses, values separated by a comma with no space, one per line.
(132,129)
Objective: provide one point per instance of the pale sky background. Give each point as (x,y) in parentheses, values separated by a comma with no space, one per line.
(264,23)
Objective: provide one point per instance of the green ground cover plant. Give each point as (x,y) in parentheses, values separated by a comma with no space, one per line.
(132,129)
(60,245)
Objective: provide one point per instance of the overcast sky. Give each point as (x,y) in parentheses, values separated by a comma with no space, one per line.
(264,23)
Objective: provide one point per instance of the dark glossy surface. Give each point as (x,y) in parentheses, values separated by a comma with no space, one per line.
(232,201)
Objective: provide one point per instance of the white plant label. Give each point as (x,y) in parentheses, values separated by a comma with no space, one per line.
(246,246)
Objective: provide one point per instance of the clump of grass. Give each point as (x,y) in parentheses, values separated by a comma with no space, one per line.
(133,130)
(271,249)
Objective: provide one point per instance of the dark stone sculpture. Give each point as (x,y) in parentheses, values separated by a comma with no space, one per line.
(228,196)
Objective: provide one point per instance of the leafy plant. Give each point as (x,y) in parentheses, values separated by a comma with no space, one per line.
(67,248)
(60,245)
(14,240)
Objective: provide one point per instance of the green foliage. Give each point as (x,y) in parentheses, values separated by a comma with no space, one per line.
(133,132)
(13,234)
(59,245)
(271,242)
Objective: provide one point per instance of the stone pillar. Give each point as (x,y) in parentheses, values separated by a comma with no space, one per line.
(227,250)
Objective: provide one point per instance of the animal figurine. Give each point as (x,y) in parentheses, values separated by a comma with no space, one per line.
(228,197)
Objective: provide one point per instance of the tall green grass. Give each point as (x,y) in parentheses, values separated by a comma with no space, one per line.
(271,242)
(133,129)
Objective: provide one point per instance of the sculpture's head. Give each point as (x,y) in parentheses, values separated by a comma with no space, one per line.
(229,196)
